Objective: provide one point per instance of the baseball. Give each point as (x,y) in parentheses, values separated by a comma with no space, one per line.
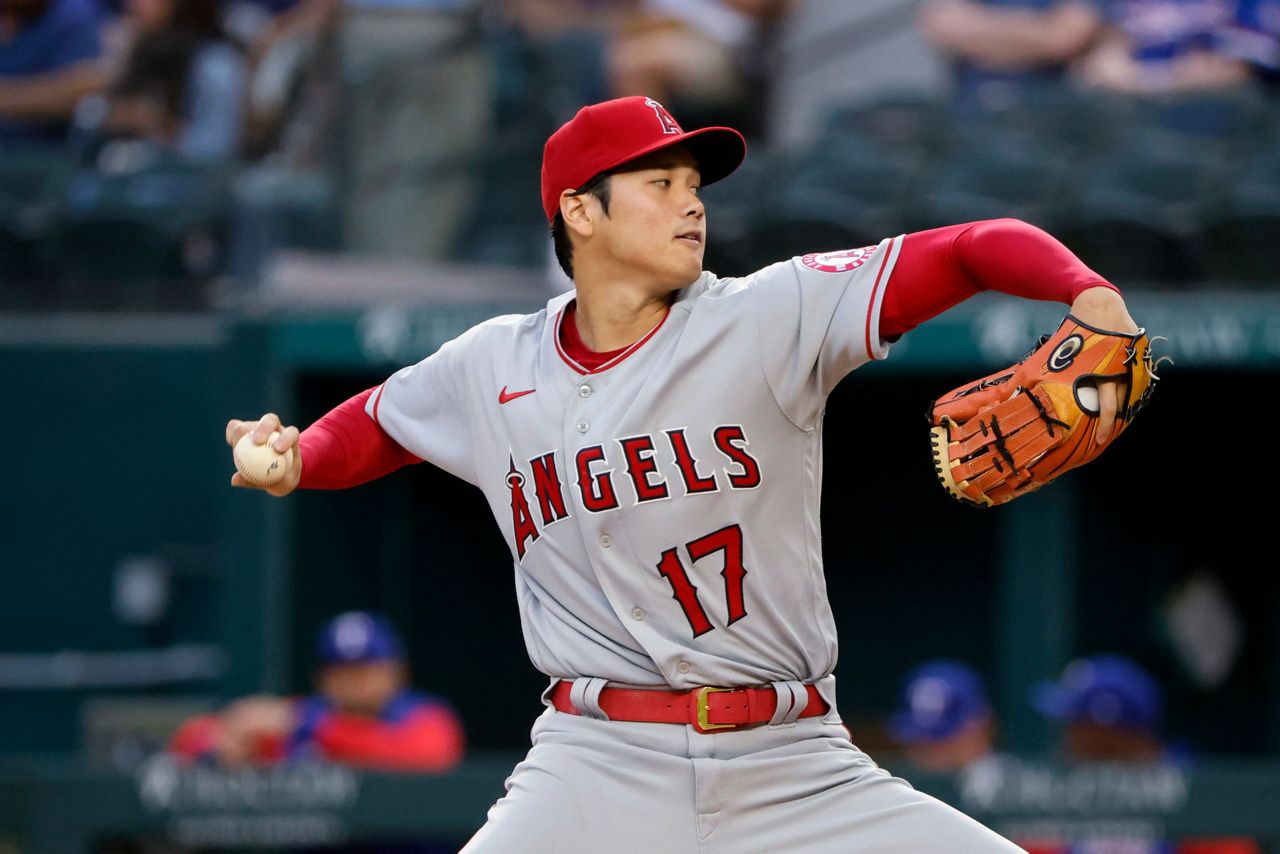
(260,464)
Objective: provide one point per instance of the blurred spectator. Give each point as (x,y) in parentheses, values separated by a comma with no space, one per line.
(694,52)
(945,721)
(284,39)
(363,712)
(417,114)
(561,47)
(1254,37)
(1113,711)
(1161,46)
(1111,707)
(547,18)
(1005,49)
(49,52)
(181,85)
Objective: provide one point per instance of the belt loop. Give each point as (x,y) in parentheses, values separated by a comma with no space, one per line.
(785,701)
(800,700)
(585,696)
(793,697)
(546,695)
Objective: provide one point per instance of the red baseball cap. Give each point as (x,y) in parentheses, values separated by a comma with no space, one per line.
(606,135)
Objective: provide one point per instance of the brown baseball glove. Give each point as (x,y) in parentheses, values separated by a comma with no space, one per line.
(1014,431)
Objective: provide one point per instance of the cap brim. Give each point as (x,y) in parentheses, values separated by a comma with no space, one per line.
(718,150)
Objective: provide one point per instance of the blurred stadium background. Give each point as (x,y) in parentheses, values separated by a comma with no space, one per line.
(377,195)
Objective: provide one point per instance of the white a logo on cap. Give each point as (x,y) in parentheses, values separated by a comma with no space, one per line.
(354,632)
(669,124)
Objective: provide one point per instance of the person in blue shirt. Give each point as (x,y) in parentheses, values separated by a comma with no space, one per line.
(183,82)
(49,61)
(945,720)
(1110,708)
(1254,38)
(1171,46)
(1004,51)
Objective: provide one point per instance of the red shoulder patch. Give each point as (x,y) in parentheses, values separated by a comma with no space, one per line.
(838,262)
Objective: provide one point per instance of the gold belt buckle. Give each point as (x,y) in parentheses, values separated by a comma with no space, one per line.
(700,704)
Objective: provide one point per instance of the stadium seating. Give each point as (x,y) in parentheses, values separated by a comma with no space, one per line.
(159,227)
(1170,191)
(909,124)
(990,172)
(1245,233)
(1060,116)
(1138,210)
(841,192)
(25,176)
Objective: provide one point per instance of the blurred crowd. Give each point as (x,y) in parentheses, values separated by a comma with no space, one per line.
(362,712)
(1000,48)
(186,75)
(204,76)
(188,139)
(1106,708)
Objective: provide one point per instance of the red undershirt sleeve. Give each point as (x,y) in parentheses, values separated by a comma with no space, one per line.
(943,267)
(429,739)
(347,448)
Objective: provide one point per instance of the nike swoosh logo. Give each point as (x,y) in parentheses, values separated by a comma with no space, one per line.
(504,397)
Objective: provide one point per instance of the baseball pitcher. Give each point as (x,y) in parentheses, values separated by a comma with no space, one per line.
(651,447)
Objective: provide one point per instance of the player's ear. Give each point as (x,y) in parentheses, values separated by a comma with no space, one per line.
(577,213)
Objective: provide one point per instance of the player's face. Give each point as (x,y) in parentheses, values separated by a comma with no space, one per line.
(362,688)
(656,223)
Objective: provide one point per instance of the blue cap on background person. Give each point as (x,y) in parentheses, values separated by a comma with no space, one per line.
(357,637)
(1106,690)
(939,697)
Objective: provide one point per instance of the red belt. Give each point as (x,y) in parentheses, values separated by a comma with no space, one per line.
(707,709)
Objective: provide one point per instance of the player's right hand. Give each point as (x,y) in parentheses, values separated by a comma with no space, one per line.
(261,430)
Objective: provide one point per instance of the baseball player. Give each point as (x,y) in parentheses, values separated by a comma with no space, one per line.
(945,721)
(650,445)
(361,713)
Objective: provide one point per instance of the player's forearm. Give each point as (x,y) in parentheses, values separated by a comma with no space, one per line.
(50,96)
(1019,259)
(941,268)
(1203,70)
(347,448)
(1017,38)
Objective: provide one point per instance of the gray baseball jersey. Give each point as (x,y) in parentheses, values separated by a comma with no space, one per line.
(663,508)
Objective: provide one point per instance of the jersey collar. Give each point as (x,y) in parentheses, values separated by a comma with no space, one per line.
(614,358)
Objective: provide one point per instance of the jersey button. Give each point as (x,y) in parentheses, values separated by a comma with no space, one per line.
(683,667)
(584,391)
(583,426)
(637,613)
(606,540)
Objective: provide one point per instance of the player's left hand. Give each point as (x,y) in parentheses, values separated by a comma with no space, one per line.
(1021,427)
(1104,309)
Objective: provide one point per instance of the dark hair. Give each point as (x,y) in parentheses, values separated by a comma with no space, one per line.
(598,187)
